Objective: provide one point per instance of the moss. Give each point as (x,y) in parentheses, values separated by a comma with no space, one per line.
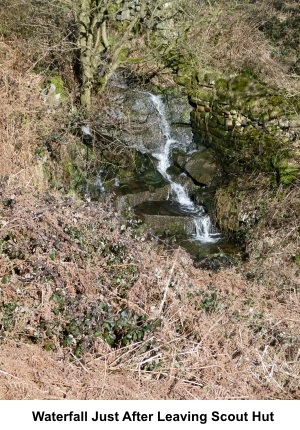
(257,147)
(210,78)
(249,73)
(5,30)
(201,95)
(183,80)
(222,89)
(288,175)
(287,172)
(175,228)
(113,8)
(259,108)
(239,83)
(276,100)
(222,85)
(297,259)
(216,122)
(218,132)
(59,86)
(264,117)
(227,209)
(72,176)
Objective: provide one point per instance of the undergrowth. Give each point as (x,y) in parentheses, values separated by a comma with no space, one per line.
(76,284)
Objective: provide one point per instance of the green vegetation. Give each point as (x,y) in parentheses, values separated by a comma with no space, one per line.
(79,331)
(207,300)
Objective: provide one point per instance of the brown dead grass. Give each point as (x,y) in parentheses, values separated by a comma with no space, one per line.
(275,241)
(19,111)
(228,37)
(243,344)
(25,118)
(268,216)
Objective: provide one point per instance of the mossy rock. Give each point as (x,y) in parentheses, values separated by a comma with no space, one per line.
(184,80)
(179,158)
(201,95)
(165,218)
(287,170)
(149,180)
(174,171)
(205,196)
(227,209)
(59,84)
(239,84)
(203,168)
(132,200)
(257,147)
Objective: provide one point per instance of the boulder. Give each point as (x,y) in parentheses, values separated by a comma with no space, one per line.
(134,199)
(166,218)
(203,168)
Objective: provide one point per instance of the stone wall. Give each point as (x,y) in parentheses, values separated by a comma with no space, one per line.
(159,8)
(129,10)
(250,126)
(159,15)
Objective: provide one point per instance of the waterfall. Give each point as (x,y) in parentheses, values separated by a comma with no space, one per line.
(204,231)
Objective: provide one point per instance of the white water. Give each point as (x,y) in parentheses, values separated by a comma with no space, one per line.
(204,231)
(99,183)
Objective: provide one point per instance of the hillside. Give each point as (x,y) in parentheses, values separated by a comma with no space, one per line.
(92,304)
(75,281)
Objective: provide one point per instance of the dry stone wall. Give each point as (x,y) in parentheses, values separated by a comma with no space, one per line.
(250,126)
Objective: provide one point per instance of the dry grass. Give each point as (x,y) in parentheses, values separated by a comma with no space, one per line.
(32,133)
(20,110)
(266,217)
(274,241)
(228,37)
(220,336)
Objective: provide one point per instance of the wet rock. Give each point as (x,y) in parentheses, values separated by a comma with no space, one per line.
(179,158)
(149,180)
(143,129)
(214,263)
(205,197)
(203,167)
(132,200)
(178,112)
(174,171)
(187,184)
(131,171)
(166,218)
(141,120)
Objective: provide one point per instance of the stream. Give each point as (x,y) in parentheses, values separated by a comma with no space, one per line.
(204,231)
(172,182)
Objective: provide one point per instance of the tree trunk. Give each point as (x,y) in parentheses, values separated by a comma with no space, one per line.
(84,45)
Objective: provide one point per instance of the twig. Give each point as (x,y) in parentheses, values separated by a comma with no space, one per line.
(209,331)
(23,381)
(167,284)
(104,380)
(79,362)
(9,374)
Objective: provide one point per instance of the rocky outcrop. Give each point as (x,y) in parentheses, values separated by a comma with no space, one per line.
(138,120)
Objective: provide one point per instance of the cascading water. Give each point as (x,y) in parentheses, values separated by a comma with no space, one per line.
(204,230)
